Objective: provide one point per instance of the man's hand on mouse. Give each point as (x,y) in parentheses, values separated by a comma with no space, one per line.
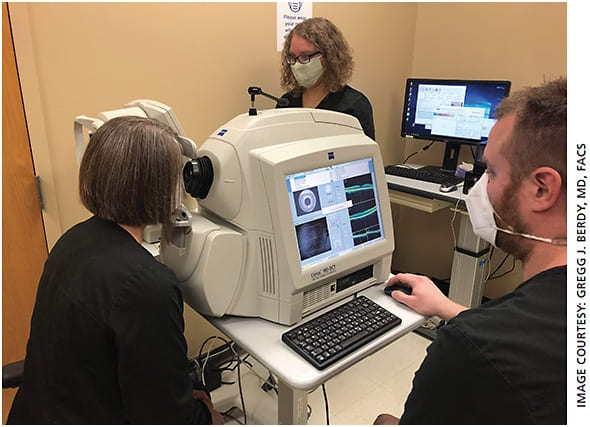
(426,297)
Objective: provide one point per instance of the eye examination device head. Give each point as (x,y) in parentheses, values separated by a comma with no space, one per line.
(292,215)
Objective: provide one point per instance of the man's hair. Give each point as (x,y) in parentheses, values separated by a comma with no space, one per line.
(130,171)
(539,136)
(335,51)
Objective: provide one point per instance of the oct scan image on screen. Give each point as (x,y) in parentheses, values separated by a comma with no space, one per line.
(335,210)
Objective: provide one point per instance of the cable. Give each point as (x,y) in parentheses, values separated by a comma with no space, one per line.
(416,152)
(269,384)
(211,338)
(506,272)
(227,414)
(231,345)
(452,221)
(240,384)
(498,267)
(326,400)
(205,364)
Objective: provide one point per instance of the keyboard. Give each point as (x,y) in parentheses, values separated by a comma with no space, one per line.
(338,332)
(426,173)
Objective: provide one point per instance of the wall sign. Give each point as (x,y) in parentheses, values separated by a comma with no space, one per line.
(289,14)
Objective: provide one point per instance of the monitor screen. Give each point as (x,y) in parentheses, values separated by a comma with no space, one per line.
(460,111)
(335,210)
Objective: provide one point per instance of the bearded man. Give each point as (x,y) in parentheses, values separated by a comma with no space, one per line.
(504,362)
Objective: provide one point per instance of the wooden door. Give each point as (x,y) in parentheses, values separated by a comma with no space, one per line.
(24,248)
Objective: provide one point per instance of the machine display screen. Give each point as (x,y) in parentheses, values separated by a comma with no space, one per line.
(335,210)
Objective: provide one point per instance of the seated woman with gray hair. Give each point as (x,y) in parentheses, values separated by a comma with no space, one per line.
(106,343)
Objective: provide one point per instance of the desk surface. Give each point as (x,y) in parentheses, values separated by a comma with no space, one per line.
(424,189)
(262,339)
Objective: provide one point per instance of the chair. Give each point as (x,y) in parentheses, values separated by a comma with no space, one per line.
(12,374)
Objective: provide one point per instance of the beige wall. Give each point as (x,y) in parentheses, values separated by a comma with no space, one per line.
(199,58)
(521,42)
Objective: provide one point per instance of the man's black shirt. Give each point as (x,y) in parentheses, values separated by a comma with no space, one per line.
(106,344)
(348,101)
(501,363)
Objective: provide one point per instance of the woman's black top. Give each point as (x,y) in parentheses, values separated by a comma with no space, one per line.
(106,344)
(348,101)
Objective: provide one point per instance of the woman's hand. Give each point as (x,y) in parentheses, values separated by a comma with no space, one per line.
(216,417)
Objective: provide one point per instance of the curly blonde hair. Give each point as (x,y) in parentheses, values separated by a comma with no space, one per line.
(335,50)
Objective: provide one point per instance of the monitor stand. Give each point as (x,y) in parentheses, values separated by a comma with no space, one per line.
(451,158)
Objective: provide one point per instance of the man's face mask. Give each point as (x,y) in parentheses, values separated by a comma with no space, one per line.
(481,214)
(308,74)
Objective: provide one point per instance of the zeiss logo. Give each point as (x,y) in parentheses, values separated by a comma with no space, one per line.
(331,155)
(295,6)
(222,132)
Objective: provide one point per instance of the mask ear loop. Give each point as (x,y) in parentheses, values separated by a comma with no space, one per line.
(562,241)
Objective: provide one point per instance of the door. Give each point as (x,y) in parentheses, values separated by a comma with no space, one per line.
(24,248)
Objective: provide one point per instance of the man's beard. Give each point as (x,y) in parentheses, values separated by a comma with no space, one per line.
(507,217)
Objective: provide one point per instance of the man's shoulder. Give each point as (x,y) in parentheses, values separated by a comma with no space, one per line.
(531,320)
(545,292)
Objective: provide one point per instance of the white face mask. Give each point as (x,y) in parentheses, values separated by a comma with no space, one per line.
(308,74)
(481,214)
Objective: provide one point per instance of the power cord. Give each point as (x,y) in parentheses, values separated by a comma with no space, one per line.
(326,401)
(416,152)
(227,414)
(452,221)
(498,267)
(240,384)
(239,361)
(506,272)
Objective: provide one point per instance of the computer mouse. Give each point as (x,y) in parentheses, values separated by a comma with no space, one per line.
(399,286)
(447,189)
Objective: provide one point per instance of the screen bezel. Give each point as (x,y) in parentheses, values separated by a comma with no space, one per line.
(282,160)
(455,140)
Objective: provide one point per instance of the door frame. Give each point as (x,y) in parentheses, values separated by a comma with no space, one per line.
(35,118)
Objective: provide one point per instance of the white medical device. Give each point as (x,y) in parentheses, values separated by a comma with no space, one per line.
(295,217)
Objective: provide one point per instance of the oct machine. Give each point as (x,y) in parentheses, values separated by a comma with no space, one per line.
(292,215)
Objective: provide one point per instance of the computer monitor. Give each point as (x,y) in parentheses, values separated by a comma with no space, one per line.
(452,111)
(297,217)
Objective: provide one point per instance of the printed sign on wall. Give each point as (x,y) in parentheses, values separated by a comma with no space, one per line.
(289,14)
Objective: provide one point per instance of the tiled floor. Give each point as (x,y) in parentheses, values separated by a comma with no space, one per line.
(378,384)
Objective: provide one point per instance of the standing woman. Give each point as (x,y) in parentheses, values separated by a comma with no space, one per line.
(316,66)
(106,344)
